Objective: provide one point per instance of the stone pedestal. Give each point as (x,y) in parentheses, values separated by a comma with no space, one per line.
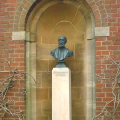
(61,94)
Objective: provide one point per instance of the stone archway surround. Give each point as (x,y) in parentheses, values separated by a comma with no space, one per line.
(97,7)
(31,57)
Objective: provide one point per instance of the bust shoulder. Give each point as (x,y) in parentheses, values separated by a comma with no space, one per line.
(70,52)
(53,51)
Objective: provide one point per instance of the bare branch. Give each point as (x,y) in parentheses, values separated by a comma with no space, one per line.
(5,86)
(116,97)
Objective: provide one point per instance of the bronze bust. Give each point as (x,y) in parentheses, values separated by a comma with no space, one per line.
(61,52)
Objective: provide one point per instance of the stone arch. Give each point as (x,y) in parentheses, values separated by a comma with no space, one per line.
(89,56)
(26,6)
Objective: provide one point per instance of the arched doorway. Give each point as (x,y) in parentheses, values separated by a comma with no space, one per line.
(46,23)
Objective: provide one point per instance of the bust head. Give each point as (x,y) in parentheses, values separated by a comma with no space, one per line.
(62,41)
(61,52)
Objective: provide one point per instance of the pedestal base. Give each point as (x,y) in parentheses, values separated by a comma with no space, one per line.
(61,94)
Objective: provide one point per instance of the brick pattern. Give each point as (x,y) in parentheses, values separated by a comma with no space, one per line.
(11,50)
(12,18)
(108,46)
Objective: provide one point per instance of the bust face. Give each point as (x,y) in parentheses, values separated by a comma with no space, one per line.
(61,41)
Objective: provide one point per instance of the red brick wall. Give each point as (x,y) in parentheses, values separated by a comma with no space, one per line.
(11,50)
(106,46)
(107,14)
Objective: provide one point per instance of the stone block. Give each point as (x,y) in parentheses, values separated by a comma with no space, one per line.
(79,46)
(38,108)
(42,118)
(79,51)
(52,64)
(83,111)
(102,31)
(18,35)
(47,107)
(75,118)
(76,93)
(50,93)
(75,65)
(50,117)
(33,37)
(39,79)
(43,28)
(68,28)
(42,65)
(83,118)
(78,38)
(48,39)
(77,79)
(46,79)
(76,107)
(83,93)
(47,18)
(43,51)
(42,94)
